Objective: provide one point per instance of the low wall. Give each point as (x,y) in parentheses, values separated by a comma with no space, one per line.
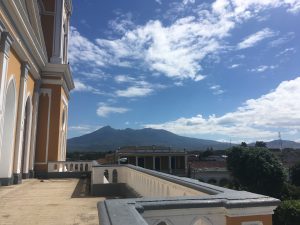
(171,200)
(119,190)
(44,175)
(145,182)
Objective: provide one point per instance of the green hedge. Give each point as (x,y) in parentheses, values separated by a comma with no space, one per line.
(287,213)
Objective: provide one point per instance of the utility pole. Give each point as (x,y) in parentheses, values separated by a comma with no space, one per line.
(280,141)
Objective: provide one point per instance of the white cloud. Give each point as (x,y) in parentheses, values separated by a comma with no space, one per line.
(256,119)
(282,40)
(263,68)
(83,128)
(134,91)
(234,66)
(255,38)
(286,51)
(138,87)
(121,23)
(177,49)
(82,50)
(159,1)
(124,79)
(188,1)
(104,110)
(80,86)
(216,89)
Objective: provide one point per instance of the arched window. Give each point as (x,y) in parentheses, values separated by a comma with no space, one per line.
(202,221)
(9,122)
(106,174)
(162,223)
(55,167)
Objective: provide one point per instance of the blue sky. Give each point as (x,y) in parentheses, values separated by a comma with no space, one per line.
(222,70)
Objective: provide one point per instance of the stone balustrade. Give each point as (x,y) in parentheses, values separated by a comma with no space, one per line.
(172,200)
(70,166)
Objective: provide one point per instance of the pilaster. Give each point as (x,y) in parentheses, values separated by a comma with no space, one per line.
(5,43)
(43,139)
(36,96)
(20,123)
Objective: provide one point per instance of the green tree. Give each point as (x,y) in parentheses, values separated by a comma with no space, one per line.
(256,170)
(244,144)
(260,144)
(295,174)
(208,152)
(288,213)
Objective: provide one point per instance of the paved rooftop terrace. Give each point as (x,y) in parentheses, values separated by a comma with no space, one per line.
(58,202)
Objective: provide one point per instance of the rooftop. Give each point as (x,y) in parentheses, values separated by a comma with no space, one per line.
(53,201)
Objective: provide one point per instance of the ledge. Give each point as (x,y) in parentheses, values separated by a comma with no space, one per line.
(128,211)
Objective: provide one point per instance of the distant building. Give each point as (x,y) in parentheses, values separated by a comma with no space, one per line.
(35,81)
(213,172)
(157,158)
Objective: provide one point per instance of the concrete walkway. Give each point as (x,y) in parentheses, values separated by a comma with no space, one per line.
(45,203)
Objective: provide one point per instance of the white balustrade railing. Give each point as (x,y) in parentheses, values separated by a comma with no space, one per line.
(70,166)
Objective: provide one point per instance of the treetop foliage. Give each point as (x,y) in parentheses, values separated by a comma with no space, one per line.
(256,170)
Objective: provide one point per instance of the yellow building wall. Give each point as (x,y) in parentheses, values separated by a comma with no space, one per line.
(41,134)
(265,219)
(54,128)
(30,85)
(14,69)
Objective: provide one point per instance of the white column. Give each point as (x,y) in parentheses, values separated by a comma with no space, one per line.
(170,164)
(20,123)
(153,158)
(27,141)
(185,163)
(5,43)
(136,161)
(57,51)
(36,96)
(66,133)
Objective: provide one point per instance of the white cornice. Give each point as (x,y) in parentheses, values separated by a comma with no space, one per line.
(59,70)
(253,211)
(26,45)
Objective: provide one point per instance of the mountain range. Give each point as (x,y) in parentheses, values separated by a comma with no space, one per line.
(110,139)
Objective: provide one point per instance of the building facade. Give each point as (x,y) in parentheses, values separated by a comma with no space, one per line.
(35,81)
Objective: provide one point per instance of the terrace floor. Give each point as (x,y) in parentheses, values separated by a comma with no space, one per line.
(54,201)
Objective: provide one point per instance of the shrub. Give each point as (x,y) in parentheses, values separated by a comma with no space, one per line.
(295,174)
(287,213)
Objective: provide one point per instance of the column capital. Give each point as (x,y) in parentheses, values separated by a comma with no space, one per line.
(24,70)
(37,86)
(5,42)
